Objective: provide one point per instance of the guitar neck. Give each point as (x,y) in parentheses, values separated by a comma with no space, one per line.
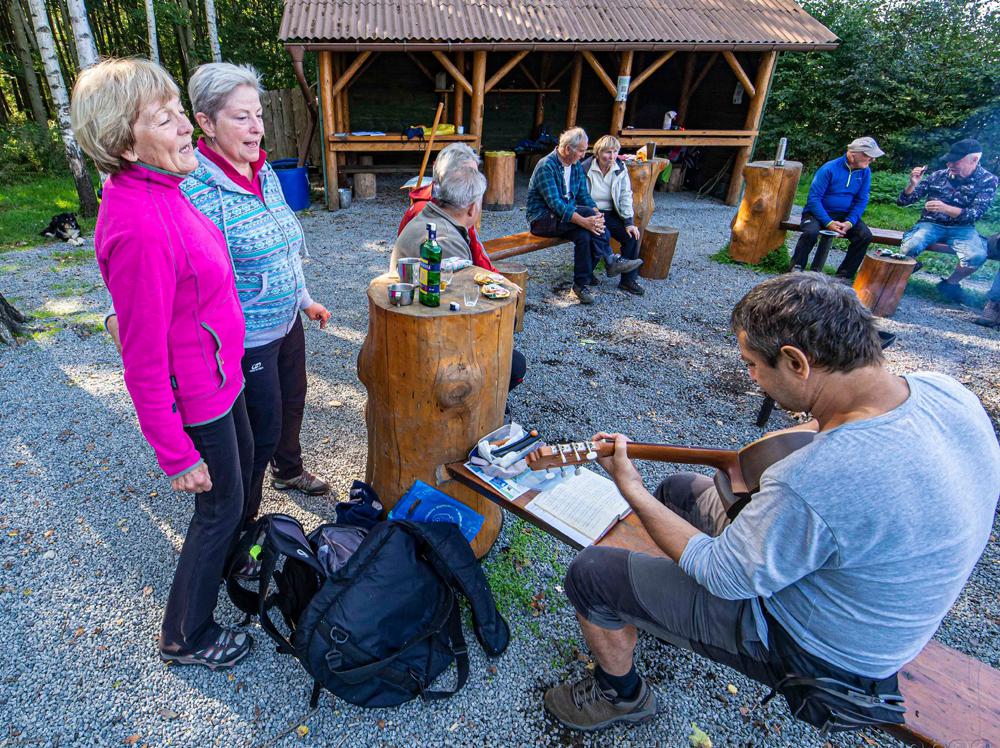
(723,459)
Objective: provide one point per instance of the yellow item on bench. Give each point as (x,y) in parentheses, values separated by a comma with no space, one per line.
(442,129)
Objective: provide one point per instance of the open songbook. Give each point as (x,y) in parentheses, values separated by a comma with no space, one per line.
(583,507)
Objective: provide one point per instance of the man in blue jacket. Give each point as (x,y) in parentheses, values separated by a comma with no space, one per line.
(838,197)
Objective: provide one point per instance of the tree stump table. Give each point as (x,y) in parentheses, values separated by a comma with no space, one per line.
(767,201)
(499,167)
(881,281)
(657,251)
(516,273)
(437,382)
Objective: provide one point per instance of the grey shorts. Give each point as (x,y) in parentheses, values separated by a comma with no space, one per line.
(613,587)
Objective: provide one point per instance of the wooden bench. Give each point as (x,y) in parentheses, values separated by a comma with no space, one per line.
(879,236)
(520,244)
(951,699)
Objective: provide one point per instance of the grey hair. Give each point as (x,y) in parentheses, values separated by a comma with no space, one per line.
(814,313)
(211,85)
(450,157)
(461,187)
(572,138)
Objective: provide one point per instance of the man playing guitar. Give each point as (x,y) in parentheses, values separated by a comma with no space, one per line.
(844,562)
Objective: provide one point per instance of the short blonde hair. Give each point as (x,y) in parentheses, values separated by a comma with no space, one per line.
(572,138)
(607,143)
(107,99)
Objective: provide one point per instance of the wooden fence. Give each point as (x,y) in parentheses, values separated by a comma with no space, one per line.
(285,121)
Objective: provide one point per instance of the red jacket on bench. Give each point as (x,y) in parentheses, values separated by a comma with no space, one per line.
(420,197)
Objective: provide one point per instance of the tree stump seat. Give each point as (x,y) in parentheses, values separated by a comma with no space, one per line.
(881,282)
(657,251)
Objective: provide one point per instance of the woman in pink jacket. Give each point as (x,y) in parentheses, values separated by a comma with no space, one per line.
(169,273)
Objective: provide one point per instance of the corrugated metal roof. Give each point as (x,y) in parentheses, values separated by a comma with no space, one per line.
(768,23)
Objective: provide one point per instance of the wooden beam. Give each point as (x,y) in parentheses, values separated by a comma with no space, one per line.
(656,65)
(682,108)
(326,107)
(351,70)
(574,91)
(618,109)
(741,75)
(563,72)
(765,70)
(453,71)
(458,103)
(421,67)
(601,75)
(364,69)
(527,74)
(505,68)
(478,95)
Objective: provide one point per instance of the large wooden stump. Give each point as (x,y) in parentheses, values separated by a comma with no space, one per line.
(881,281)
(767,201)
(657,251)
(364,183)
(642,177)
(517,273)
(437,381)
(499,167)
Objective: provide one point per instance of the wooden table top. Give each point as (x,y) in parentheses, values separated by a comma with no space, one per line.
(627,533)
(460,283)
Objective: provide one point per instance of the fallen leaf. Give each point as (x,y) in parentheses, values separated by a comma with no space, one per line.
(868,740)
(732,689)
(147,590)
(301,731)
(744,710)
(132,739)
(698,737)
(453,727)
(80,631)
(381,724)
(588,341)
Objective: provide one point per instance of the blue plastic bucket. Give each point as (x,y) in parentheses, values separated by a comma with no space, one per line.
(294,181)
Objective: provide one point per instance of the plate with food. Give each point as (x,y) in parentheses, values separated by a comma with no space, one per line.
(495,291)
(484,277)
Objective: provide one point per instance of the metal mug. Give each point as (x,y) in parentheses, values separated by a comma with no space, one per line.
(400,294)
(345,197)
(409,270)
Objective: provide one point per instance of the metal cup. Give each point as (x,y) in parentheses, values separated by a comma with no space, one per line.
(409,270)
(400,294)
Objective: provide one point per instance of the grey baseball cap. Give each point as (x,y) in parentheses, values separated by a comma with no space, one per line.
(867,146)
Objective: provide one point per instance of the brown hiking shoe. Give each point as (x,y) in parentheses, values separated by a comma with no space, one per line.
(991,315)
(585,706)
(307,483)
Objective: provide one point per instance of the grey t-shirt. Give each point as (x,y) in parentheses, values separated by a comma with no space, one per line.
(860,542)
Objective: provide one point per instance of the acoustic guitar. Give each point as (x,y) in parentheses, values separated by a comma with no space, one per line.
(739,470)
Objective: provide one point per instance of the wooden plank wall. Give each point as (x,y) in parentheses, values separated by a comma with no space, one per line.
(285,121)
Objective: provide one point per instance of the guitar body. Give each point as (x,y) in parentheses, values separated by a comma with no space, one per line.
(739,470)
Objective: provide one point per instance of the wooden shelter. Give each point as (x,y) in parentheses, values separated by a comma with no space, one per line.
(711,61)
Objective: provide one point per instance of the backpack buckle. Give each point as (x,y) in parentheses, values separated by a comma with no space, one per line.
(334,658)
(336,634)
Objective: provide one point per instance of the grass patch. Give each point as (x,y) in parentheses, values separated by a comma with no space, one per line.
(27,206)
(72,287)
(508,572)
(44,322)
(66,258)
(927,289)
(774,262)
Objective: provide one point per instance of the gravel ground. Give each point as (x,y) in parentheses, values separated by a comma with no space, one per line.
(89,529)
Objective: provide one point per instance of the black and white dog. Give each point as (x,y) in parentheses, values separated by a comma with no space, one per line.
(64,226)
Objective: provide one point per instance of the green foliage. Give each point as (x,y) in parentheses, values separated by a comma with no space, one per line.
(508,571)
(774,262)
(28,204)
(27,149)
(915,74)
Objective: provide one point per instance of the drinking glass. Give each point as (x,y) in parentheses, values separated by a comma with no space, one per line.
(470,296)
(446,276)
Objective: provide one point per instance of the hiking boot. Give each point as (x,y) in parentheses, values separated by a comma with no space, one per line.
(632,287)
(991,315)
(616,265)
(583,294)
(594,280)
(951,291)
(307,483)
(917,266)
(584,705)
(228,648)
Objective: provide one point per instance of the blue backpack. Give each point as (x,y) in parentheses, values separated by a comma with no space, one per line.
(380,628)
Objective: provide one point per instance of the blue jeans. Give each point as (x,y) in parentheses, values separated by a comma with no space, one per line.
(629,246)
(587,247)
(994,293)
(965,240)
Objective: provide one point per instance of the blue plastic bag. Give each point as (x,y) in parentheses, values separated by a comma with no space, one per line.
(423,503)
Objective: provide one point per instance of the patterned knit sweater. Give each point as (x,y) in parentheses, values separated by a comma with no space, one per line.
(265,242)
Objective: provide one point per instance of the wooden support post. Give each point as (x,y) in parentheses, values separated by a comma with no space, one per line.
(478,95)
(326,100)
(601,75)
(504,69)
(644,75)
(740,73)
(338,104)
(574,92)
(453,71)
(346,75)
(754,113)
(682,108)
(458,103)
(618,110)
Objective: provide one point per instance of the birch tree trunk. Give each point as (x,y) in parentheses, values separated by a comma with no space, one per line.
(38,111)
(213,30)
(154,49)
(60,98)
(86,49)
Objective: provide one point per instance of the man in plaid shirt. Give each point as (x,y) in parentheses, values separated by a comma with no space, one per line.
(957,196)
(559,204)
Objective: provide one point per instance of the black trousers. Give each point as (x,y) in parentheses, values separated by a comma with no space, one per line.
(860,236)
(586,246)
(275,377)
(226,446)
(615,226)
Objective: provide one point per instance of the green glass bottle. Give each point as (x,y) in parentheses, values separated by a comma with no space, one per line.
(430,269)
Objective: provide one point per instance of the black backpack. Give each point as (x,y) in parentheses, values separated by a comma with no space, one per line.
(379,630)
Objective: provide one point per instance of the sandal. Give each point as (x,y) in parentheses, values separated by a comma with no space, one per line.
(228,648)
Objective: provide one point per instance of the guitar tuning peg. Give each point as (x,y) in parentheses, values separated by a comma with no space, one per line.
(577,470)
(591,455)
(549,475)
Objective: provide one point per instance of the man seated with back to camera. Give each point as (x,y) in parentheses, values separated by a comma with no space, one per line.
(455,210)
(847,558)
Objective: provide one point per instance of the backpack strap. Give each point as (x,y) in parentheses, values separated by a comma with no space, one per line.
(269,560)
